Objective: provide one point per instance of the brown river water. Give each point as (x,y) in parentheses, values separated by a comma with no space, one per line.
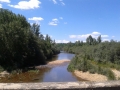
(57,73)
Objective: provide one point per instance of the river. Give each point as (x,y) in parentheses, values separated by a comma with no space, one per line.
(57,73)
(60,73)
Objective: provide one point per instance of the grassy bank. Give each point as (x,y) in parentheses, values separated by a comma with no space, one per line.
(82,64)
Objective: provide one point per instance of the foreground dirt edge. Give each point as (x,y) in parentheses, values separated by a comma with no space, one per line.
(108,85)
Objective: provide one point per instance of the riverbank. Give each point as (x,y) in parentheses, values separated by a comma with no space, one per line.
(95,77)
(84,75)
(116,73)
(80,74)
(58,62)
(53,63)
(90,77)
(37,74)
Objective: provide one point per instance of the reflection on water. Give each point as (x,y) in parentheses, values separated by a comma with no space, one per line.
(57,73)
(63,55)
(60,73)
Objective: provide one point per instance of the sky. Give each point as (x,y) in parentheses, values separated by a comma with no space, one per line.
(70,20)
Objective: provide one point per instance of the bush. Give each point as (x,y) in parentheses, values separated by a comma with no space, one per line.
(110,75)
(82,64)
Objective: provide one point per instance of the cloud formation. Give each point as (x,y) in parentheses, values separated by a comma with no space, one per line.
(36,18)
(6,1)
(84,36)
(54,22)
(61,41)
(54,1)
(49,36)
(0,5)
(60,1)
(31,4)
(106,40)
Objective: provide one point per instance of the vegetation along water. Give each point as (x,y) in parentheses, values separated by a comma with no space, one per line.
(94,56)
(22,46)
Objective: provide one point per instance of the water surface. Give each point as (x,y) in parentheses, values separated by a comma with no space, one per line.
(60,73)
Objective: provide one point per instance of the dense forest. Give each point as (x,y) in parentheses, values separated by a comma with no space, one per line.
(94,55)
(21,44)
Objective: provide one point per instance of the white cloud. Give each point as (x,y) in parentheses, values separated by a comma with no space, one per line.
(105,40)
(72,36)
(63,3)
(36,18)
(54,1)
(0,5)
(104,36)
(60,17)
(31,4)
(6,1)
(79,36)
(54,22)
(96,33)
(84,36)
(61,41)
(60,1)
(49,36)
(55,19)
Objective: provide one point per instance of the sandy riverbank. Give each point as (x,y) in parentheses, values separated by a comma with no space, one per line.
(90,77)
(116,73)
(85,75)
(58,62)
(96,77)
(55,63)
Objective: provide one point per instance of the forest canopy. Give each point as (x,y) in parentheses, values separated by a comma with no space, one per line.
(22,44)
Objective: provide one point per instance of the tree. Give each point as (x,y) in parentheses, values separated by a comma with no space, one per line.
(36,29)
(99,39)
(21,44)
(89,40)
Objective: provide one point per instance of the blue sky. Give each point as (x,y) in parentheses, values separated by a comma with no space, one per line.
(71,20)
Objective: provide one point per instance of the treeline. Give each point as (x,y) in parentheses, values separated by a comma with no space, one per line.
(68,47)
(21,44)
(94,55)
